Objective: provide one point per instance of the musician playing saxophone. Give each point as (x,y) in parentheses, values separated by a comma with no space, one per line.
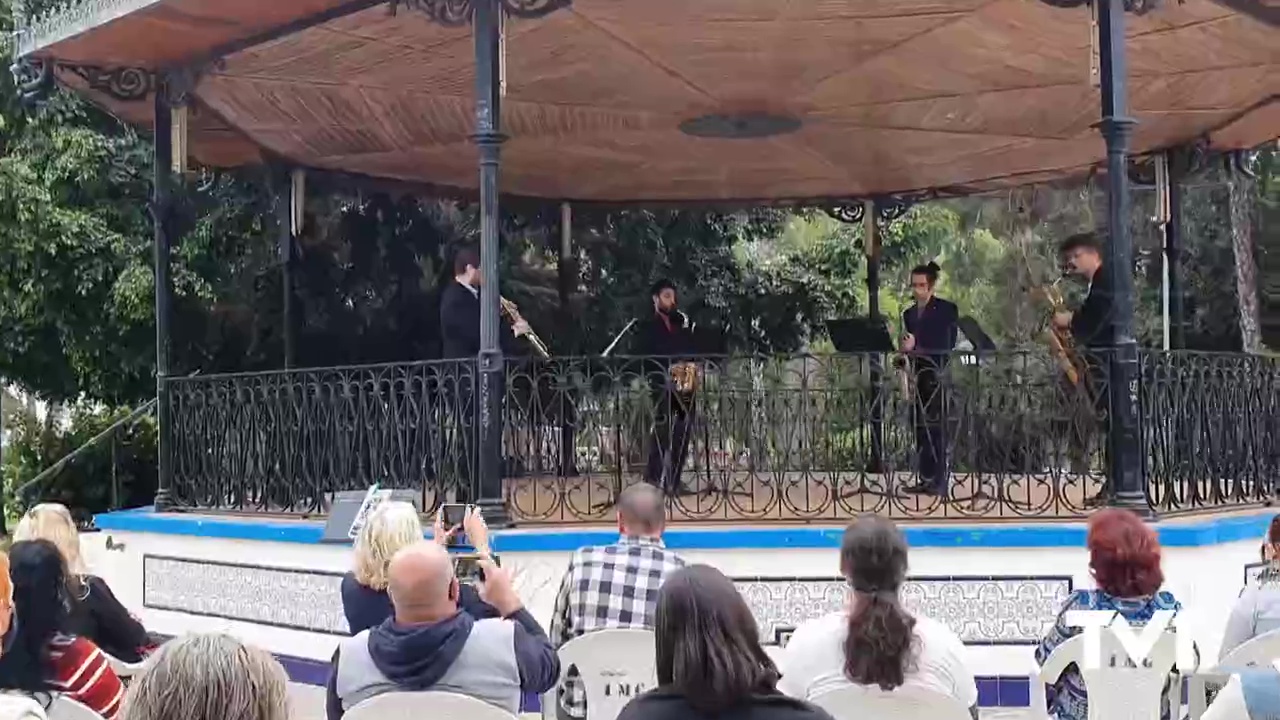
(666,336)
(460,340)
(931,330)
(1092,327)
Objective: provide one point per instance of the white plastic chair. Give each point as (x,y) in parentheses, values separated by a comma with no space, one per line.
(64,707)
(419,705)
(1117,691)
(905,703)
(16,705)
(1261,650)
(613,665)
(124,669)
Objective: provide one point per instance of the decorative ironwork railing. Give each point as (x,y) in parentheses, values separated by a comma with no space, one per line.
(786,438)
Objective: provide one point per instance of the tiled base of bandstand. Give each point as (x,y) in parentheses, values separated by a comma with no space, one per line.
(996,584)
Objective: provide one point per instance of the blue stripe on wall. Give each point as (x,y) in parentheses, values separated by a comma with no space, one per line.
(1195,533)
(993,691)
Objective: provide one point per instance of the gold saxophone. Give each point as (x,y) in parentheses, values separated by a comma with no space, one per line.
(1061,341)
(512,313)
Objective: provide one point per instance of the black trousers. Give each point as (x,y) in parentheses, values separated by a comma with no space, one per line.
(669,440)
(464,397)
(930,416)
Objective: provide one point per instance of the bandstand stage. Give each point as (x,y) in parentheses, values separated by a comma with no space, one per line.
(857,107)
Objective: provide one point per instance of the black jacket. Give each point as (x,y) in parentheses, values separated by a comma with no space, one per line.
(661,345)
(665,704)
(934,328)
(99,616)
(366,608)
(460,325)
(1092,325)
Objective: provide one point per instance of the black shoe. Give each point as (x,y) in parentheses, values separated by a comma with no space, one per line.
(921,489)
(1102,499)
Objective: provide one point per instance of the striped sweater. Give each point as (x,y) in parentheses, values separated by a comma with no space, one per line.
(80,670)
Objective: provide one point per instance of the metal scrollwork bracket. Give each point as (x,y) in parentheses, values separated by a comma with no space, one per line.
(850,213)
(126,84)
(457,13)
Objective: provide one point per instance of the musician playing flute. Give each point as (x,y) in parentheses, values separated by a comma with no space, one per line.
(1093,328)
(460,339)
(930,336)
(666,336)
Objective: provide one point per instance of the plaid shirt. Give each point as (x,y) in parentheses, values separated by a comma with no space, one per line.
(612,586)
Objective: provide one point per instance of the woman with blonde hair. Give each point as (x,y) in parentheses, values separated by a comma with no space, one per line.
(209,676)
(392,526)
(96,614)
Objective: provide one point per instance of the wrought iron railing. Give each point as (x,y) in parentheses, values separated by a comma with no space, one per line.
(783,438)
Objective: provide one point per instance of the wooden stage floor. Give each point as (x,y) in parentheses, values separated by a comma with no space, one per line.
(808,497)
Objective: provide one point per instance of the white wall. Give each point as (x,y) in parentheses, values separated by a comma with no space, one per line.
(243,579)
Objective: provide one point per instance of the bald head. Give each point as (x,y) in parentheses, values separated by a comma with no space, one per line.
(642,511)
(421,583)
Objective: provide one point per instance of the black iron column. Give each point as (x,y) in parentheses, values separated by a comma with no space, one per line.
(161,216)
(1124,462)
(871,240)
(284,229)
(1177,167)
(488,139)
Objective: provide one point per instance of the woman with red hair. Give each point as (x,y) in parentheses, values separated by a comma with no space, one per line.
(1124,559)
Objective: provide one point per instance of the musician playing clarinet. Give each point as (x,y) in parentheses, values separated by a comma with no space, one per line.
(666,338)
(1093,328)
(930,337)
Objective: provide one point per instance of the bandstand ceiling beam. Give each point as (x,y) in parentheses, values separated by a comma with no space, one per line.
(1264,11)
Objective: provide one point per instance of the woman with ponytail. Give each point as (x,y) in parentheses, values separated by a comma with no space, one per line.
(875,641)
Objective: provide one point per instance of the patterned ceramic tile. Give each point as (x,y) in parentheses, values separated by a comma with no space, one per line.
(981,610)
(299,599)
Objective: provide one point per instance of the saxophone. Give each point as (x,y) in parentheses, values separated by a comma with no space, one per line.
(1061,341)
(512,313)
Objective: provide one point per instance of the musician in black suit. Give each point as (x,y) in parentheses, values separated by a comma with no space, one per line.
(1092,327)
(460,340)
(930,336)
(665,338)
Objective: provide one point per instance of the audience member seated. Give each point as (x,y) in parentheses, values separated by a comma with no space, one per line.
(1257,612)
(209,677)
(391,527)
(709,660)
(591,596)
(1252,694)
(41,656)
(1124,559)
(874,640)
(13,705)
(96,614)
(430,644)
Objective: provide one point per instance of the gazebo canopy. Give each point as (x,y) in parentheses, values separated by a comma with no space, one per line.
(682,100)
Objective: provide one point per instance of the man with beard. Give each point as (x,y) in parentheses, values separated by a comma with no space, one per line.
(666,340)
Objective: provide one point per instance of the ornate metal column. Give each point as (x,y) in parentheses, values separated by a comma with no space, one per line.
(1124,461)
(1178,166)
(488,139)
(162,220)
(283,182)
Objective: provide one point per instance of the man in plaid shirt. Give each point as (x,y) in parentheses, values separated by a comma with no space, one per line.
(613,586)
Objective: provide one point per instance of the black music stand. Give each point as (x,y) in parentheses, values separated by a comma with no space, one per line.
(867,336)
(981,342)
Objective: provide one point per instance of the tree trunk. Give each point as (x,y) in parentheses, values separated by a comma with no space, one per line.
(1245,262)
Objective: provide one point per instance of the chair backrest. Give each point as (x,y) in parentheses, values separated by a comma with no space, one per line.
(419,705)
(1117,690)
(124,669)
(857,702)
(16,705)
(614,666)
(64,707)
(1261,650)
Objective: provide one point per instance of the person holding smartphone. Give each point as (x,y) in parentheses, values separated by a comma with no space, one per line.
(392,527)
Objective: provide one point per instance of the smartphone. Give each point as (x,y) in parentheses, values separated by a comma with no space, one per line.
(467,568)
(453,515)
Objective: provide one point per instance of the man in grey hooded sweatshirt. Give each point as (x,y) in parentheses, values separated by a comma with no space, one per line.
(429,644)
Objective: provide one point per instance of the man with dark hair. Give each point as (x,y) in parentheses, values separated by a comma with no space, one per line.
(460,340)
(666,339)
(613,586)
(1093,328)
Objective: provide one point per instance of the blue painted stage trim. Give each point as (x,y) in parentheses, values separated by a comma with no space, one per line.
(1008,691)
(1173,533)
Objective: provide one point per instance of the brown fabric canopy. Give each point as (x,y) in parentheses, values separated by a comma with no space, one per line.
(891,96)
